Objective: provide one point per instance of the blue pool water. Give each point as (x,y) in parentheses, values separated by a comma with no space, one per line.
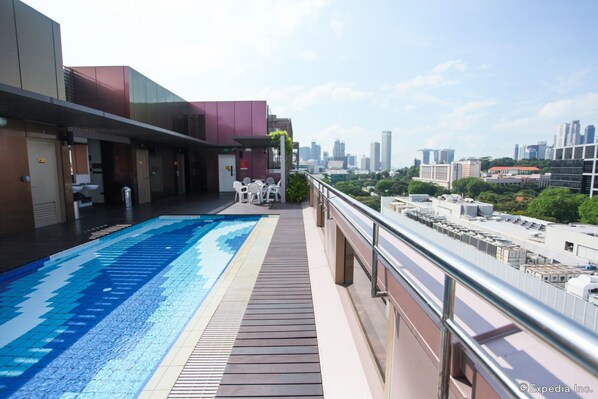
(95,321)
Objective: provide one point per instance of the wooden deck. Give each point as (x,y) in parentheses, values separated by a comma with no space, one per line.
(275,353)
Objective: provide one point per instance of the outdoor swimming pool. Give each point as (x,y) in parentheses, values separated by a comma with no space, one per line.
(95,321)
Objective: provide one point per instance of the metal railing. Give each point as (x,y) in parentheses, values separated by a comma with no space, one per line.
(561,333)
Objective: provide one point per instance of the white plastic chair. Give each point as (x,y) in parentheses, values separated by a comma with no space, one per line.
(255,193)
(269,181)
(240,191)
(273,189)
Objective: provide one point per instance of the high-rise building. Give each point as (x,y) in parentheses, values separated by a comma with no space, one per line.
(316,152)
(562,137)
(426,155)
(386,149)
(589,134)
(305,153)
(574,133)
(516,153)
(365,163)
(446,156)
(374,157)
(338,151)
(351,161)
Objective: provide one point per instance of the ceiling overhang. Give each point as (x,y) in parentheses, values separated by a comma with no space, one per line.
(255,141)
(16,103)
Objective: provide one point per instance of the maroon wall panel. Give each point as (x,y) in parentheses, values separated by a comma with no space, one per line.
(211,110)
(243,124)
(111,90)
(86,87)
(226,123)
(259,118)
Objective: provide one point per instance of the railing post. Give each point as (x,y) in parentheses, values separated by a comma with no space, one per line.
(374,281)
(446,344)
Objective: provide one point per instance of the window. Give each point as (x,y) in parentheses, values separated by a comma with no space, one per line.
(568,246)
(273,158)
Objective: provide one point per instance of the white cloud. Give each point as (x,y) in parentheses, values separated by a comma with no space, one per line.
(547,116)
(289,99)
(447,66)
(585,105)
(337,27)
(308,55)
(435,78)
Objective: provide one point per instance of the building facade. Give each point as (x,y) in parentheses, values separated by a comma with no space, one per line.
(386,152)
(375,157)
(445,174)
(575,168)
(76,136)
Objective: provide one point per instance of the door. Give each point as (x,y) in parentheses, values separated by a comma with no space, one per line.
(45,190)
(226,172)
(143,176)
(180,174)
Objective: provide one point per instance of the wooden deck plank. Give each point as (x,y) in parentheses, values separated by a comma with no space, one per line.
(270,390)
(274,350)
(265,359)
(270,378)
(275,353)
(273,368)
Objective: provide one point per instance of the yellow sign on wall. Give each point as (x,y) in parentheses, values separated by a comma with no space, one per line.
(41,160)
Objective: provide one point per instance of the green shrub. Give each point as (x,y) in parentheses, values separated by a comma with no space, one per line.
(297,188)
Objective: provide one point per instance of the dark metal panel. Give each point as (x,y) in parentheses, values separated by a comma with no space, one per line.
(111,90)
(36,50)
(9,56)
(59,72)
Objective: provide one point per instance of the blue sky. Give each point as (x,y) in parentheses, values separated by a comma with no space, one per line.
(476,76)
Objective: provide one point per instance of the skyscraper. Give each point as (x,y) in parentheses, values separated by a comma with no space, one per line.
(375,157)
(589,134)
(386,149)
(425,155)
(316,151)
(338,151)
(365,163)
(446,156)
(562,137)
(574,133)
(305,153)
(516,153)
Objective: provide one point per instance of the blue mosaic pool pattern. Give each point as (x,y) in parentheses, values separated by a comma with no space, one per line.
(95,321)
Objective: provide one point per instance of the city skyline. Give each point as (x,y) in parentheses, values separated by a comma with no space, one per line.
(465,77)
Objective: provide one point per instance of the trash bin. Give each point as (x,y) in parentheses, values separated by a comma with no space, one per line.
(76,209)
(126,196)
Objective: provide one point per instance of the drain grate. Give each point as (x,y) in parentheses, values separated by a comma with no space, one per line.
(203,371)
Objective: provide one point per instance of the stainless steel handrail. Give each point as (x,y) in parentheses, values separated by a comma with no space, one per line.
(571,339)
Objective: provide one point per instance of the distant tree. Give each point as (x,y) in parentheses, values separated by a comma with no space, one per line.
(391,187)
(422,187)
(588,210)
(349,188)
(556,204)
(485,163)
(489,196)
(372,202)
(506,161)
(470,186)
